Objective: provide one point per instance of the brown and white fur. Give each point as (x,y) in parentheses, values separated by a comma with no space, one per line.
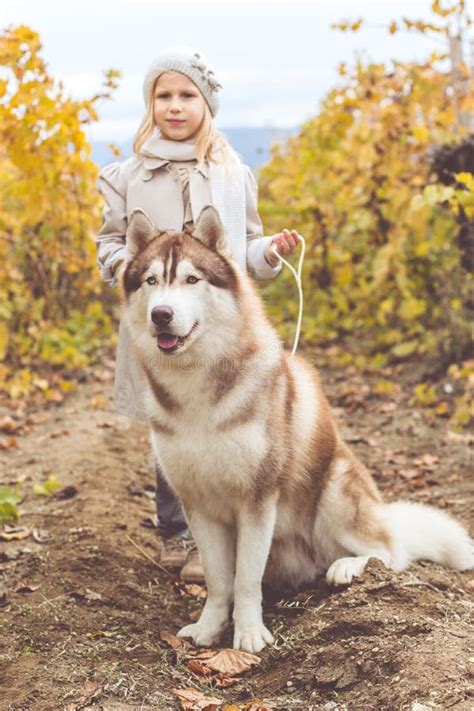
(245,437)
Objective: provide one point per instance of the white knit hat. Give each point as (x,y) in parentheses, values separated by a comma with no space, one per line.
(189,62)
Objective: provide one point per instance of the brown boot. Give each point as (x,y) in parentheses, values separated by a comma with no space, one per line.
(175,552)
(192,571)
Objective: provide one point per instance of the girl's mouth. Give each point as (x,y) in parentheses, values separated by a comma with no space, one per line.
(175,122)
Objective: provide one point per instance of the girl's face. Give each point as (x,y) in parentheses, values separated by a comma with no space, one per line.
(178,106)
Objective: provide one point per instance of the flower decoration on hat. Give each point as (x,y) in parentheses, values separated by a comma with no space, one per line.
(207,74)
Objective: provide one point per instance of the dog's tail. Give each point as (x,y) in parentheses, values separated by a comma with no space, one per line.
(421,532)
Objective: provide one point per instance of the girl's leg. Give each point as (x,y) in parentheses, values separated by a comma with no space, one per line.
(179,551)
(171,520)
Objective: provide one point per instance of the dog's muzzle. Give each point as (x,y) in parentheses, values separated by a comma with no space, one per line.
(171,342)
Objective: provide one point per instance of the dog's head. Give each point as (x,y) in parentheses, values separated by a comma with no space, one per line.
(182,286)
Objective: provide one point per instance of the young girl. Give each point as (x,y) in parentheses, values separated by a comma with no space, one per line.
(180,163)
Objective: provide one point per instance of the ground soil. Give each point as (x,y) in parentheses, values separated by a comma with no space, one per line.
(86,608)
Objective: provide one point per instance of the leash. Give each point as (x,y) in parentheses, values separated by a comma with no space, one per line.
(297,276)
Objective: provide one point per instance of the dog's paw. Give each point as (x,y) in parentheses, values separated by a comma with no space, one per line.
(252,637)
(201,634)
(343,570)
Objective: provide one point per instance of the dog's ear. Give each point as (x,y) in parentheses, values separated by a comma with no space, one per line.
(210,231)
(140,232)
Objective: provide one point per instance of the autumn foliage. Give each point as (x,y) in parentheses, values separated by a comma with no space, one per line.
(386,267)
(386,217)
(50,294)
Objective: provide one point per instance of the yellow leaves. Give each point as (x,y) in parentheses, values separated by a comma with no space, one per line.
(466,179)
(47,488)
(385,387)
(393,28)
(411,308)
(421,133)
(348,25)
(344,274)
(436,194)
(4,338)
(454,6)
(404,349)
(424,394)
(49,210)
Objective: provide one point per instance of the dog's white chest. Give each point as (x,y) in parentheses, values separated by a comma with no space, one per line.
(199,460)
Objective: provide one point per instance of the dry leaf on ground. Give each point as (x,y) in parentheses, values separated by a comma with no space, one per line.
(25,587)
(14,533)
(170,639)
(194,700)
(90,690)
(9,443)
(229,662)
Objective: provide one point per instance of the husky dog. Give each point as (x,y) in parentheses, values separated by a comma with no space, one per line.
(244,436)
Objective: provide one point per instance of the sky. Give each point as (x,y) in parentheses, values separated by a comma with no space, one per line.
(276,60)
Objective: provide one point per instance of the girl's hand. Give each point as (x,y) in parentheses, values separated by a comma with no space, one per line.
(285,243)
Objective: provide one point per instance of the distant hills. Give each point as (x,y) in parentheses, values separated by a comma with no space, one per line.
(252,144)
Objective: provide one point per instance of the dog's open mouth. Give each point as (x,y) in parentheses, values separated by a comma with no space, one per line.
(170,342)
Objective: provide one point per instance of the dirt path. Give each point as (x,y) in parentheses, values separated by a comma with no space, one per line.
(85,609)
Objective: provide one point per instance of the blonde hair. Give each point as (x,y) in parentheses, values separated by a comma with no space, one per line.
(211,145)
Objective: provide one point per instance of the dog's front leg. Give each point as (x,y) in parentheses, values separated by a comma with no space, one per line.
(216,546)
(254,538)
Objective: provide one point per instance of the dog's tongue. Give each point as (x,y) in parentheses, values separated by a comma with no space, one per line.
(167,340)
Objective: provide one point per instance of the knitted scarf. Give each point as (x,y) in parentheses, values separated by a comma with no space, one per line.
(227,184)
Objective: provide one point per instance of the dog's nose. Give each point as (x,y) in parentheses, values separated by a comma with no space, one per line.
(162,315)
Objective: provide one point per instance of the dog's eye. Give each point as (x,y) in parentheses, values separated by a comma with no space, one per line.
(192,280)
(151,280)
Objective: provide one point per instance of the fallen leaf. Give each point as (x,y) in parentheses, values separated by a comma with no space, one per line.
(40,535)
(90,690)
(3,599)
(14,533)
(58,433)
(197,668)
(110,424)
(194,700)
(409,473)
(170,639)
(8,424)
(453,477)
(99,403)
(37,419)
(229,662)
(25,588)
(428,460)
(149,522)
(195,590)
(92,596)
(388,407)
(67,492)
(9,443)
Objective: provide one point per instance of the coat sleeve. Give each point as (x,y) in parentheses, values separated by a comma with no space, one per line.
(110,240)
(257,265)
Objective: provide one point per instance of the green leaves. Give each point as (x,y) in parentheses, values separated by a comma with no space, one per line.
(9,498)
(50,486)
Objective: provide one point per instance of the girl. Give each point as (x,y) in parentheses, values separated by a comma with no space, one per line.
(180,163)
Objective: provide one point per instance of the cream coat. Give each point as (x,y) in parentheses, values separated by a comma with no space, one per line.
(149,183)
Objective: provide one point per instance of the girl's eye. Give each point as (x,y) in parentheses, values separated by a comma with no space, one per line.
(166,96)
(192,280)
(151,280)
